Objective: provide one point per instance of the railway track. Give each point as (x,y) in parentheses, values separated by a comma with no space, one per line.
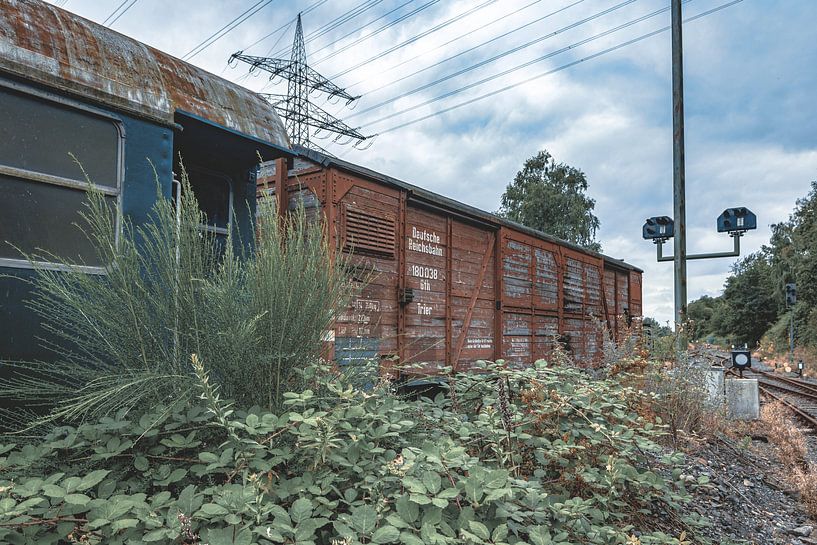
(796,394)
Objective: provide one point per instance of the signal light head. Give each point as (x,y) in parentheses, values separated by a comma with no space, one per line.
(741,359)
(658,228)
(736,220)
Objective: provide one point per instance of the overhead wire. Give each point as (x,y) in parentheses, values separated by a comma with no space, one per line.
(358,29)
(474,48)
(498,56)
(114,12)
(449,42)
(406,16)
(226,29)
(285,26)
(123,12)
(248,73)
(414,39)
(392,23)
(335,23)
(557,69)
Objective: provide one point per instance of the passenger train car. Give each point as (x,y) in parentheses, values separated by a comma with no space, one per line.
(71,88)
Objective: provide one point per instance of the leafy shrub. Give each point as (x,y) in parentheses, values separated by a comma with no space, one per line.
(539,456)
(680,398)
(123,339)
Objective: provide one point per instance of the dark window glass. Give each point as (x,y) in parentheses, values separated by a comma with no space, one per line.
(38,135)
(42,219)
(212,192)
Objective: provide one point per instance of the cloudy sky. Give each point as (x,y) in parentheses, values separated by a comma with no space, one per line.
(750,71)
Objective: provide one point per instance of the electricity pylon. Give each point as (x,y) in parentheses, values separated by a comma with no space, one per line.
(299,113)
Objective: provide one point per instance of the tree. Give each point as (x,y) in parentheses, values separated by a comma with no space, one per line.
(751,306)
(550,197)
(706,316)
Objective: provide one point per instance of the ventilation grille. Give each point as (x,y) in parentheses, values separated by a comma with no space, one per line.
(367,233)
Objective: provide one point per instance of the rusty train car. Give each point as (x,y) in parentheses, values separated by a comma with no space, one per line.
(452,284)
(71,88)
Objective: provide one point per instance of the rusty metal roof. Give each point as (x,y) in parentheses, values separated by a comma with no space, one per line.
(48,45)
(419,193)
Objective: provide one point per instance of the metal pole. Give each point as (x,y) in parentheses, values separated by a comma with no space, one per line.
(791,339)
(678,178)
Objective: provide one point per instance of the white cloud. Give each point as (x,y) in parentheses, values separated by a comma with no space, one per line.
(750,115)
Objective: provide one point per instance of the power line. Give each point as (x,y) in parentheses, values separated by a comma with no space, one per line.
(415,38)
(285,26)
(381,29)
(220,33)
(335,23)
(358,29)
(499,56)
(114,12)
(123,12)
(470,49)
(529,63)
(558,69)
(449,42)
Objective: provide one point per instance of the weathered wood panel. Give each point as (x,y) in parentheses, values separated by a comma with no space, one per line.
(426,244)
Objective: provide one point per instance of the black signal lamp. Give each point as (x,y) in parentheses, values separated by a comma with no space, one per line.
(737,220)
(658,228)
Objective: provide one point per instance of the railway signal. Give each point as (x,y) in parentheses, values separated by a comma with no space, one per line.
(791,300)
(736,221)
(791,294)
(741,359)
(658,229)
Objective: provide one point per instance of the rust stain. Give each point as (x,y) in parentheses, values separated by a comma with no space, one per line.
(54,47)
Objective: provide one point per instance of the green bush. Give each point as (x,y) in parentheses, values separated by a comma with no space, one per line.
(123,339)
(539,456)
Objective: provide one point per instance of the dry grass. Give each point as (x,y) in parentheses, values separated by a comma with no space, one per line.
(783,432)
(805,482)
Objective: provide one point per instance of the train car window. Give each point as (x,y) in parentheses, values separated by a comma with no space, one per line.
(43,188)
(49,138)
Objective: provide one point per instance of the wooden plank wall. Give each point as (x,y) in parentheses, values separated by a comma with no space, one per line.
(479,292)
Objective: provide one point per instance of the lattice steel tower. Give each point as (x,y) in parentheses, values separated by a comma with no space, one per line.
(299,113)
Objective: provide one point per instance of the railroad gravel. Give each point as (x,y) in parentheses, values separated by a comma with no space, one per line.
(745,497)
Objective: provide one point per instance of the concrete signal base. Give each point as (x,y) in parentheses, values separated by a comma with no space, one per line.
(742,399)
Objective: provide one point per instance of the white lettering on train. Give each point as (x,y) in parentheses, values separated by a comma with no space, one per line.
(429,273)
(425,242)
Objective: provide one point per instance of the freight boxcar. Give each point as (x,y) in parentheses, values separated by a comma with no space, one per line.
(452,284)
(127,112)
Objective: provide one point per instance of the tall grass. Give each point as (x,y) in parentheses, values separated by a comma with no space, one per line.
(123,340)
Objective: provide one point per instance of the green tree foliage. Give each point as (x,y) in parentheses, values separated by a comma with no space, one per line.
(750,305)
(542,456)
(551,197)
(123,339)
(706,317)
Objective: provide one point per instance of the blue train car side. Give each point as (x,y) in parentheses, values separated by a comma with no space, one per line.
(73,93)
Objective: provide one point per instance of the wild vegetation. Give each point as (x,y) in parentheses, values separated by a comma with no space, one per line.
(753,307)
(189,404)
(799,472)
(541,455)
(122,340)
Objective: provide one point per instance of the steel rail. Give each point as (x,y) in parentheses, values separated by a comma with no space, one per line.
(797,410)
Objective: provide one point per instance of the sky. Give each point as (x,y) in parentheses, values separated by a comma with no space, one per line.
(750,72)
